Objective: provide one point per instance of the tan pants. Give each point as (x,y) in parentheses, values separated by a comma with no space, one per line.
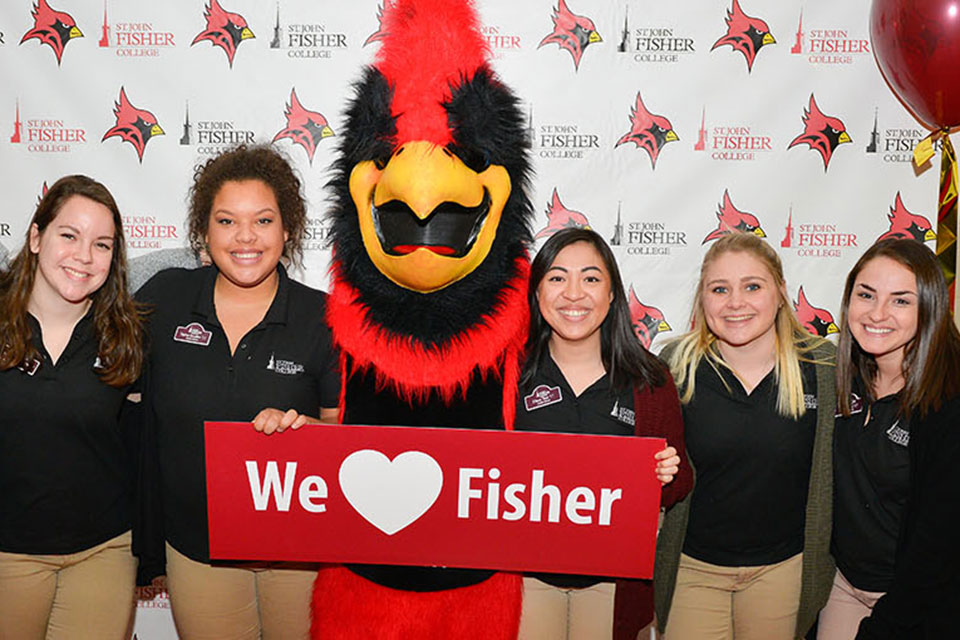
(747,603)
(238,602)
(845,608)
(552,613)
(87,595)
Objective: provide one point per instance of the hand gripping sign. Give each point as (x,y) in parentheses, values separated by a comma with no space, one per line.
(561,503)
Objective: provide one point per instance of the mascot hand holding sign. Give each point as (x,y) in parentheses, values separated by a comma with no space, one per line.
(428,304)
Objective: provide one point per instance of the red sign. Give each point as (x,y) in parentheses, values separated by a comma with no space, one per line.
(434,497)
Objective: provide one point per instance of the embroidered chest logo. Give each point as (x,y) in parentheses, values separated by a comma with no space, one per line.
(810,401)
(898,435)
(284,367)
(98,364)
(542,396)
(624,414)
(193,333)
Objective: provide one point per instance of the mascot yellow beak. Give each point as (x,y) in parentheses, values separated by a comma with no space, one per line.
(426,219)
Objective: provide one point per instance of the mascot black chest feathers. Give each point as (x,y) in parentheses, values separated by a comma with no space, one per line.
(430,230)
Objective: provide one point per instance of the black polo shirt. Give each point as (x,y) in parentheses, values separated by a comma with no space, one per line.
(284,362)
(65,482)
(871,464)
(753,470)
(549,404)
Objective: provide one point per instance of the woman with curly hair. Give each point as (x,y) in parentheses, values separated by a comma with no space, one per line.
(233,341)
(746,556)
(70,347)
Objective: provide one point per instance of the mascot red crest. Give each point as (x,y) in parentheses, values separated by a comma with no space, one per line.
(733,220)
(429,231)
(559,217)
(904,224)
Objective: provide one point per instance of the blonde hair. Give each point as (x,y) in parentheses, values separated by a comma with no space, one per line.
(793,342)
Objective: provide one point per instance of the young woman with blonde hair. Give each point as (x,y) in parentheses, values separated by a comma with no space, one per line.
(746,556)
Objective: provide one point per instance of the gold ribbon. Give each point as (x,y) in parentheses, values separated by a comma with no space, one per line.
(946,202)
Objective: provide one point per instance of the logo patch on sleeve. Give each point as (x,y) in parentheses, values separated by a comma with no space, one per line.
(193,333)
(542,396)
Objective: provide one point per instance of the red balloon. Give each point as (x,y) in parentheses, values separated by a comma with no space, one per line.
(917,45)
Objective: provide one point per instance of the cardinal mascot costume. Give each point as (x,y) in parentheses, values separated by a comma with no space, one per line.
(430,229)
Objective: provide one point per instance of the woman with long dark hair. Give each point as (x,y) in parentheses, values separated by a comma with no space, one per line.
(746,556)
(897,446)
(70,347)
(602,381)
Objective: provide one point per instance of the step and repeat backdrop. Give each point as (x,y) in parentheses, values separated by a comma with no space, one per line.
(658,124)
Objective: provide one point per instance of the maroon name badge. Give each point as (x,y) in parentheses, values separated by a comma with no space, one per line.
(467,498)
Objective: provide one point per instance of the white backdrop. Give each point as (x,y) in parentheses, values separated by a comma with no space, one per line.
(735,124)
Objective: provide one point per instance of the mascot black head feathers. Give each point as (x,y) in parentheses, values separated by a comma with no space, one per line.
(430,218)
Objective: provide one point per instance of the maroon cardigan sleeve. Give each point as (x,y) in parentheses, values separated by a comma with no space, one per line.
(658,415)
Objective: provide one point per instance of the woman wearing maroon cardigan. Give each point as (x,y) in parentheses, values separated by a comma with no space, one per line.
(586,372)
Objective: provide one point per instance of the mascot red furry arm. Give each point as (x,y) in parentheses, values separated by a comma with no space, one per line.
(428,307)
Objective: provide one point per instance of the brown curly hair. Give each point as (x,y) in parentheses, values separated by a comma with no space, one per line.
(259,162)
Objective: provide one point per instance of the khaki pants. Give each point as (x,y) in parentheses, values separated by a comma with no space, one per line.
(747,603)
(88,595)
(846,607)
(238,602)
(552,613)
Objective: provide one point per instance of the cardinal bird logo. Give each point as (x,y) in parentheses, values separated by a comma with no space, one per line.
(817,321)
(379,34)
(904,224)
(571,32)
(43,192)
(745,34)
(733,220)
(647,321)
(305,128)
(136,126)
(821,133)
(559,217)
(647,131)
(52,27)
(224,29)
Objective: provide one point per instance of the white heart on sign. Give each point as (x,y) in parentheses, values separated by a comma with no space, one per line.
(390,495)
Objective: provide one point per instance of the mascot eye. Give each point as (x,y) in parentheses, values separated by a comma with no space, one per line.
(477,160)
